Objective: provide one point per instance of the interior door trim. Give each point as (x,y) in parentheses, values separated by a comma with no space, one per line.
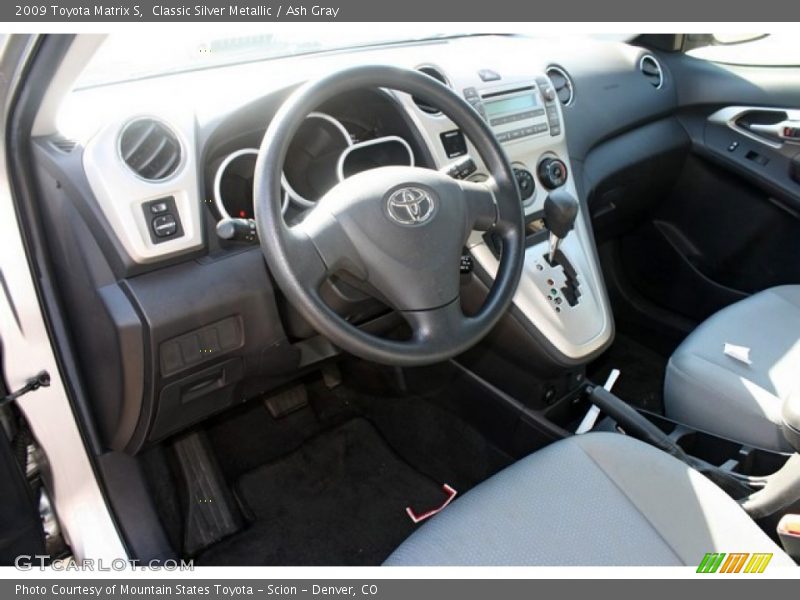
(730,115)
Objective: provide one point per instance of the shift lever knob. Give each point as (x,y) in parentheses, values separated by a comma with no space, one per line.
(560,210)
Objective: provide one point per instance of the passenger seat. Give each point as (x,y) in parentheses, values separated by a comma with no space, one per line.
(718,392)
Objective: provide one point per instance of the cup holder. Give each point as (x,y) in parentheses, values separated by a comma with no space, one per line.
(709,448)
(720,452)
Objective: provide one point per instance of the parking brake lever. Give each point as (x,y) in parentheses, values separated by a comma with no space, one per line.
(635,424)
(590,419)
(638,426)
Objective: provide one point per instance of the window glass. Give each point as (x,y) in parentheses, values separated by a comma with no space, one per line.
(773,50)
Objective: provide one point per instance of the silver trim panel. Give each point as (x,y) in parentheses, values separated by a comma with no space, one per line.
(575,331)
(121,193)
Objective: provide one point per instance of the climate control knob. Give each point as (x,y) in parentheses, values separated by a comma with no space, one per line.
(552,173)
(525,182)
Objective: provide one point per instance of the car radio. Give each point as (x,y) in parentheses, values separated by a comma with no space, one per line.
(517,111)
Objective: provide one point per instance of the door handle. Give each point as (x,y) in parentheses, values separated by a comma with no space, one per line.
(771,126)
(788,130)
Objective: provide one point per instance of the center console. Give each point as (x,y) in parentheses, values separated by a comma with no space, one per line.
(561,299)
(516,111)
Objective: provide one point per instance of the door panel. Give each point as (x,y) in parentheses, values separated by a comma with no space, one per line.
(730,225)
(21,530)
(713,241)
(20,527)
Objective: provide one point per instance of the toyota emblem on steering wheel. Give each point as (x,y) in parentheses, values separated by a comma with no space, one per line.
(410,206)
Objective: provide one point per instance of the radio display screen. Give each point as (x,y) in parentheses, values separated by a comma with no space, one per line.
(511,105)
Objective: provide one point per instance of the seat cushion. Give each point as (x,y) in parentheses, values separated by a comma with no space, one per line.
(594,499)
(713,392)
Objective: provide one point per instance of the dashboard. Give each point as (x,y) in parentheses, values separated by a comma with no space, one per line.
(152,173)
(209,115)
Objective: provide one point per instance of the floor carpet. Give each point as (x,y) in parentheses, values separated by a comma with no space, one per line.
(339,499)
(641,379)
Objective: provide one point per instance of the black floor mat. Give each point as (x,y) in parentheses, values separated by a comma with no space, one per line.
(642,373)
(338,500)
(248,437)
(430,437)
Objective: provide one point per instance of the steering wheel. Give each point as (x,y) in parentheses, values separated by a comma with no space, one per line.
(400,229)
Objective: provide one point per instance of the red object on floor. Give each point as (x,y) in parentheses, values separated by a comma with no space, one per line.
(417,518)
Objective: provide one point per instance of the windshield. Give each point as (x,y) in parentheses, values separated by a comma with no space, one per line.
(128,56)
(124,57)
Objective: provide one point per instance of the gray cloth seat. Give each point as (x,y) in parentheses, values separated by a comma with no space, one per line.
(594,499)
(710,391)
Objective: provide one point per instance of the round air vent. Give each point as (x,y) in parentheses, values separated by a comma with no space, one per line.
(150,149)
(651,69)
(565,90)
(438,76)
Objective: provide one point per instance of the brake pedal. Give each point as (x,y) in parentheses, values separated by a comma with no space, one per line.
(331,376)
(286,402)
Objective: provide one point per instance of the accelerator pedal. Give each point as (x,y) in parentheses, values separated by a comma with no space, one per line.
(212,513)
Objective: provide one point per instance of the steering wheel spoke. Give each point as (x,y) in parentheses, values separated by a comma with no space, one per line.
(437,326)
(308,267)
(321,234)
(481,204)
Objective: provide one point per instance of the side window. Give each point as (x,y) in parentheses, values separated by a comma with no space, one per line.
(772,50)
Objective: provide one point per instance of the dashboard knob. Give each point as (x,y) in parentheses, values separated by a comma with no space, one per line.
(525,182)
(549,94)
(552,173)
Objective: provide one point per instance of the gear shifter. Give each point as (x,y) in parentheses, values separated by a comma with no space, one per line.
(560,210)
